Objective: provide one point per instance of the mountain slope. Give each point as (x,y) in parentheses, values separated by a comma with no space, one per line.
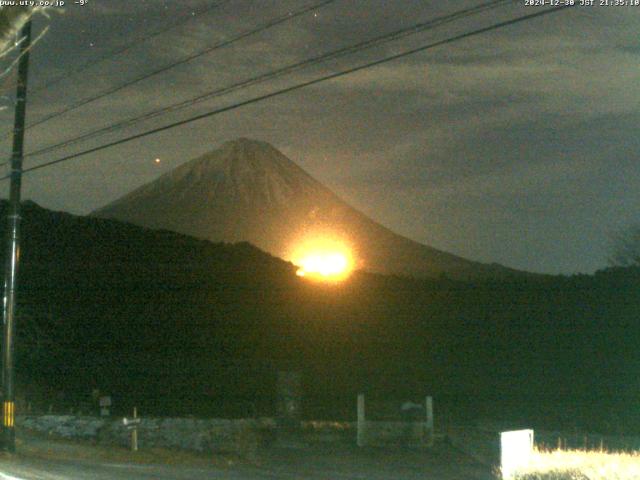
(176,326)
(249,191)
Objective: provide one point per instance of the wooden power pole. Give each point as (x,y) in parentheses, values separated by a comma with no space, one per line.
(12,254)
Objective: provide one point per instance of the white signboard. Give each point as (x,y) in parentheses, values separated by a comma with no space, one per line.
(516,449)
(130,422)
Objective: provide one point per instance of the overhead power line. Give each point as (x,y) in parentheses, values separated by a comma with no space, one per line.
(299,86)
(275,21)
(392,36)
(128,46)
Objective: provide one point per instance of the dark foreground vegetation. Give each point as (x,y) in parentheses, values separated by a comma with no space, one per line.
(180,326)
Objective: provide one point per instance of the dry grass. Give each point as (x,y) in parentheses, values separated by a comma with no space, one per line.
(581,465)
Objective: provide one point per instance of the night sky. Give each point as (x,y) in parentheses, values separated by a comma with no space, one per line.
(518,146)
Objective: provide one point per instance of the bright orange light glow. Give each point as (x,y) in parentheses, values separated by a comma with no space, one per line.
(323,259)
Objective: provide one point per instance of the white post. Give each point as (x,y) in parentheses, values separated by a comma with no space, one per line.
(428,405)
(361,421)
(134,432)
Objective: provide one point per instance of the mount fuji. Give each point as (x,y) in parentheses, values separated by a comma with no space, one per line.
(247,190)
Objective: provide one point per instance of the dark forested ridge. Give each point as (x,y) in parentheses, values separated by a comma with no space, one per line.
(178,325)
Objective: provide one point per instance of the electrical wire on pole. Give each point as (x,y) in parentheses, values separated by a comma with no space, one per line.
(12,255)
(114,53)
(125,48)
(350,49)
(299,86)
(225,43)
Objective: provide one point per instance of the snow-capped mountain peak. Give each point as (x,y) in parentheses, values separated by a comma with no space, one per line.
(247,190)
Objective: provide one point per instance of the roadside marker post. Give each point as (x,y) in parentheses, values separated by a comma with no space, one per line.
(429,412)
(361,421)
(132,424)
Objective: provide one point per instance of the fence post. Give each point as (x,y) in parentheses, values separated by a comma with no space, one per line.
(289,396)
(429,411)
(361,421)
(134,433)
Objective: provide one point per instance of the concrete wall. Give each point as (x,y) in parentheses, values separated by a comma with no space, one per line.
(241,437)
(381,433)
(314,432)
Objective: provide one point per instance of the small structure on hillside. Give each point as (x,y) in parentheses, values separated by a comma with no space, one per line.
(411,425)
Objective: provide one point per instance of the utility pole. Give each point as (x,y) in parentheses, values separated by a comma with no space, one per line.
(12,255)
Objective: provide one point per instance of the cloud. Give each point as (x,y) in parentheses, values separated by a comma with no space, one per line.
(480,147)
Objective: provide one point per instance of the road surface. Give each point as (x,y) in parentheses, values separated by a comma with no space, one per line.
(44,459)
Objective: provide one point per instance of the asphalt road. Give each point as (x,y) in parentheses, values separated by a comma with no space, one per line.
(30,469)
(50,460)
